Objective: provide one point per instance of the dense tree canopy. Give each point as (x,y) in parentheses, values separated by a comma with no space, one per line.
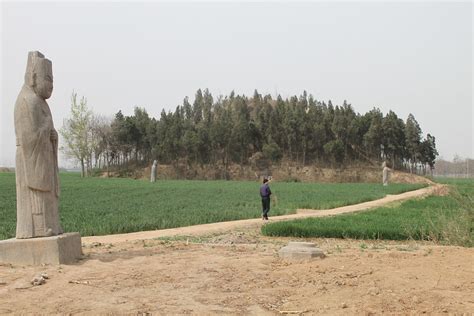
(234,128)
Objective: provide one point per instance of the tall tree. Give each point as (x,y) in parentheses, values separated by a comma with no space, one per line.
(141,122)
(198,106)
(428,152)
(221,132)
(241,130)
(393,137)
(374,137)
(413,140)
(76,132)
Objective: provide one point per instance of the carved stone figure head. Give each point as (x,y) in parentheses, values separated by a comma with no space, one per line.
(39,75)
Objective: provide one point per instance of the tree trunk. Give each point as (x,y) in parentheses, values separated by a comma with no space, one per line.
(82,168)
(107,157)
(304,156)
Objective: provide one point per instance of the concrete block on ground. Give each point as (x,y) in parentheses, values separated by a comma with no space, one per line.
(61,249)
(301,250)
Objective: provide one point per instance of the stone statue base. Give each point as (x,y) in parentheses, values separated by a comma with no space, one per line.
(300,250)
(61,249)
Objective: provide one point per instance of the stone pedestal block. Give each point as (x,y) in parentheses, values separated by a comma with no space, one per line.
(301,250)
(61,249)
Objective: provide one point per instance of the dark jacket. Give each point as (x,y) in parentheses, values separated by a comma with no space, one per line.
(265,191)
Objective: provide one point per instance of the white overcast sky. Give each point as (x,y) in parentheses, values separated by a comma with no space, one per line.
(409,57)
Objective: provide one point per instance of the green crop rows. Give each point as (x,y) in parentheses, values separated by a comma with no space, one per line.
(446,219)
(97,206)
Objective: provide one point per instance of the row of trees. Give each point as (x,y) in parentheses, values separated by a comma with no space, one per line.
(459,167)
(86,137)
(235,128)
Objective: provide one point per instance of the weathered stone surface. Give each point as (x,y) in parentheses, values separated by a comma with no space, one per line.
(301,250)
(385,173)
(61,249)
(38,280)
(153,171)
(37,182)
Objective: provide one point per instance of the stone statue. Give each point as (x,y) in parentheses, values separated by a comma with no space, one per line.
(385,173)
(37,183)
(153,171)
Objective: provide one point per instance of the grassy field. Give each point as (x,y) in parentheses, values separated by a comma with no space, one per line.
(445,219)
(97,206)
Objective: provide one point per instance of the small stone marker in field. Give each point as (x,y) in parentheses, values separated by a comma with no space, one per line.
(153,171)
(385,173)
(301,250)
(39,236)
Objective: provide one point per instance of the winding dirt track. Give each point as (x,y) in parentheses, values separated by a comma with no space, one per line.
(249,223)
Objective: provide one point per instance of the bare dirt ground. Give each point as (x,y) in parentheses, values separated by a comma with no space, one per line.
(239,272)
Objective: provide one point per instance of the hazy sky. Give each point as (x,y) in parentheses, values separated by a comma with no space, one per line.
(407,57)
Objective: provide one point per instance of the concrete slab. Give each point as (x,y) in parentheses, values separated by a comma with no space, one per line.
(301,250)
(62,249)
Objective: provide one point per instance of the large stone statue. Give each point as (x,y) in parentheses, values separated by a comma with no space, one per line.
(153,171)
(37,184)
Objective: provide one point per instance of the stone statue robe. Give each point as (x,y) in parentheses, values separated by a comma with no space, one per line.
(37,183)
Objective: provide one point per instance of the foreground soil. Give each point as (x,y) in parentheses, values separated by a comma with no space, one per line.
(240,272)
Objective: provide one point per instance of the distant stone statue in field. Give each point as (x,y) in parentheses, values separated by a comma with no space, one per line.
(153,171)
(37,183)
(385,173)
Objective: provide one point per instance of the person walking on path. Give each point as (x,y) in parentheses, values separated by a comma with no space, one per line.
(265,193)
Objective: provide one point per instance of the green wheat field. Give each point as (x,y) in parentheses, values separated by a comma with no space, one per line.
(443,219)
(98,206)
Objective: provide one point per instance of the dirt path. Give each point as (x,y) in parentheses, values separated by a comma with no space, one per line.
(253,223)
